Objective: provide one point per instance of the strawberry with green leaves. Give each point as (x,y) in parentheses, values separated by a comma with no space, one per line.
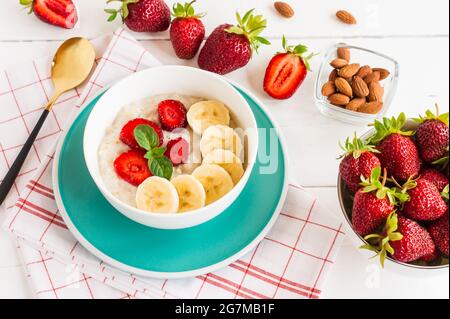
(373,203)
(186,31)
(403,239)
(230,47)
(398,152)
(287,70)
(359,160)
(60,13)
(432,135)
(142,15)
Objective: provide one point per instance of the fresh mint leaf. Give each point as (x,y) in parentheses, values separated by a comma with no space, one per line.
(158,151)
(161,166)
(146,137)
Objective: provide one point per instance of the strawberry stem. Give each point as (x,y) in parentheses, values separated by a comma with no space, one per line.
(186,11)
(298,50)
(429,115)
(388,127)
(123,10)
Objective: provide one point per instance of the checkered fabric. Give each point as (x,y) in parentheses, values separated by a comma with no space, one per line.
(290,262)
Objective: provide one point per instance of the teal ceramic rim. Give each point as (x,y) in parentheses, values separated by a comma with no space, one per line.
(181,274)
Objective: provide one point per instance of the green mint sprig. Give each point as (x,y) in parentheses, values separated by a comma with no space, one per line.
(158,163)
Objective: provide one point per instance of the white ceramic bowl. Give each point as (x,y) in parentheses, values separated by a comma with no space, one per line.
(410,269)
(163,80)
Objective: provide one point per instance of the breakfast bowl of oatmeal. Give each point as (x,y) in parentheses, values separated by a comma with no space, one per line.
(171,147)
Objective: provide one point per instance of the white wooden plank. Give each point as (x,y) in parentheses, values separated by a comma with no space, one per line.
(314,18)
(312,138)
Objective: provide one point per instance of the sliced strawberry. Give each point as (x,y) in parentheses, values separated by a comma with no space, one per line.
(132,167)
(172,114)
(127,133)
(61,13)
(177,151)
(286,71)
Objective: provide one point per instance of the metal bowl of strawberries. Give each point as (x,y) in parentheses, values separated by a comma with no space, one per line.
(393,190)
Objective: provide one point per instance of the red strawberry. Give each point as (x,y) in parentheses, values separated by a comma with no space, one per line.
(372,204)
(142,15)
(187,31)
(404,239)
(127,133)
(434,176)
(398,153)
(359,160)
(439,232)
(425,202)
(431,257)
(177,151)
(287,71)
(432,136)
(61,13)
(132,167)
(229,47)
(172,114)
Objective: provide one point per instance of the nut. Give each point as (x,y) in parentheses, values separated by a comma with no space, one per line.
(383,73)
(355,104)
(349,70)
(328,88)
(374,76)
(364,71)
(371,107)
(333,75)
(376,92)
(343,53)
(284,9)
(338,99)
(343,86)
(360,88)
(338,63)
(346,17)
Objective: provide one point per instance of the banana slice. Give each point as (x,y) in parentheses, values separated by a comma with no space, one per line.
(220,137)
(228,161)
(204,114)
(157,195)
(216,181)
(190,193)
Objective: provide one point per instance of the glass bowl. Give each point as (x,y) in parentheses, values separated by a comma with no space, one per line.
(363,57)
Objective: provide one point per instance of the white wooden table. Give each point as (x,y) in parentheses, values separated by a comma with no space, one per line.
(413,32)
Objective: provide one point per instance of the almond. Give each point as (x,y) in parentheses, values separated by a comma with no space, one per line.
(349,70)
(284,9)
(328,88)
(343,86)
(343,53)
(346,17)
(371,107)
(333,75)
(355,104)
(374,76)
(360,88)
(364,71)
(376,92)
(338,63)
(339,99)
(383,73)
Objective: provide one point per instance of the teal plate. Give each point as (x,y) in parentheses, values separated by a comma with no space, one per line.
(159,253)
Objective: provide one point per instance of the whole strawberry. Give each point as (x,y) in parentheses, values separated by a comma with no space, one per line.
(439,232)
(142,15)
(425,202)
(60,13)
(398,153)
(434,176)
(372,204)
(403,239)
(432,136)
(186,31)
(286,71)
(230,47)
(358,160)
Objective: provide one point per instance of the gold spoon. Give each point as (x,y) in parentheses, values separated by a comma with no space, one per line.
(71,66)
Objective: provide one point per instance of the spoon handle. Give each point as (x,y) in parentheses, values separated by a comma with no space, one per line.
(14,170)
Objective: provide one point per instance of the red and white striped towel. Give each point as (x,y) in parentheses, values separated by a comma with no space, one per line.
(291,262)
